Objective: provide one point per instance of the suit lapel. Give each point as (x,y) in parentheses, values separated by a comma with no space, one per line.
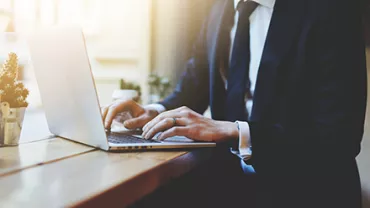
(222,10)
(284,27)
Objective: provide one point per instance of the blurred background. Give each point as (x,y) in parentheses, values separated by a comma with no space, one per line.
(125,39)
(139,45)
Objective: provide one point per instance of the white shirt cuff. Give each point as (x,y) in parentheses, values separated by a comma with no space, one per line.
(245,146)
(155,106)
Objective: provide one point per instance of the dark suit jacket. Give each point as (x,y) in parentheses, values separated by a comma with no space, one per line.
(310,96)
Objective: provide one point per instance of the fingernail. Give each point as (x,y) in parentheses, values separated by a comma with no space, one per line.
(144,127)
(126,124)
(159,136)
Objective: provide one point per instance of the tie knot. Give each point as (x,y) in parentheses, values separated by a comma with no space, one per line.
(246,8)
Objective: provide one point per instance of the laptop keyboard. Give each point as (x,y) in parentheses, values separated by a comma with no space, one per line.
(127,139)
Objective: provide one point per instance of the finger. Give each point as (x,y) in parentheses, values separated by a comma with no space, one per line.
(112,112)
(161,126)
(135,123)
(116,108)
(164,124)
(104,111)
(154,121)
(168,114)
(175,131)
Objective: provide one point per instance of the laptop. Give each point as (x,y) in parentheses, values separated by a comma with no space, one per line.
(69,97)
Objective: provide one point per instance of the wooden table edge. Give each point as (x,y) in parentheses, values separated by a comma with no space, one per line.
(140,185)
(46,139)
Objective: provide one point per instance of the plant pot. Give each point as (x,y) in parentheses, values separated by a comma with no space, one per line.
(11,126)
(125,95)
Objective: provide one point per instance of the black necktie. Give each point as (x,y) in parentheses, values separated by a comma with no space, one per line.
(238,83)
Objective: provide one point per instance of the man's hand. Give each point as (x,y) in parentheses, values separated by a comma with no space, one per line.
(141,115)
(185,122)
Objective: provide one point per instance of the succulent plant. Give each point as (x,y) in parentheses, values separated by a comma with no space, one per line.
(124,85)
(159,85)
(12,90)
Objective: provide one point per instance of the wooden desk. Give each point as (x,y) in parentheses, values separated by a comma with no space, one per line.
(56,173)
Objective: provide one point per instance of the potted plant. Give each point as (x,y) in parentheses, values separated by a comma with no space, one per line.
(159,87)
(13,97)
(127,91)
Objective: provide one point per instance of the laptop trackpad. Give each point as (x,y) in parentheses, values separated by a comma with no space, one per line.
(177,139)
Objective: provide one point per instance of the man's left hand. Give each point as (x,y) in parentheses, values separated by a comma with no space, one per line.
(185,122)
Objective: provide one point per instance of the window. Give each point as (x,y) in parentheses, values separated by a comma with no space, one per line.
(117,35)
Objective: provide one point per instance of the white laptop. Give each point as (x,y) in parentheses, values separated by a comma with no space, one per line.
(69,96)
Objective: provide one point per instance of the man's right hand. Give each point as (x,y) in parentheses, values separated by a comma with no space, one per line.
(141,115)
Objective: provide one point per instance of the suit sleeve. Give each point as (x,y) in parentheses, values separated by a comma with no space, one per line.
(338,94)
(193,88)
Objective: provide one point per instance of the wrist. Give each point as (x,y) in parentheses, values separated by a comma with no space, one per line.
(230,130)
(156,107)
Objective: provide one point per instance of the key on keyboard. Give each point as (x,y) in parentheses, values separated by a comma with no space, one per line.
(127,139)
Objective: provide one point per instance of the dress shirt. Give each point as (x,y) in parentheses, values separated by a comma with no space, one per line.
(259,24)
